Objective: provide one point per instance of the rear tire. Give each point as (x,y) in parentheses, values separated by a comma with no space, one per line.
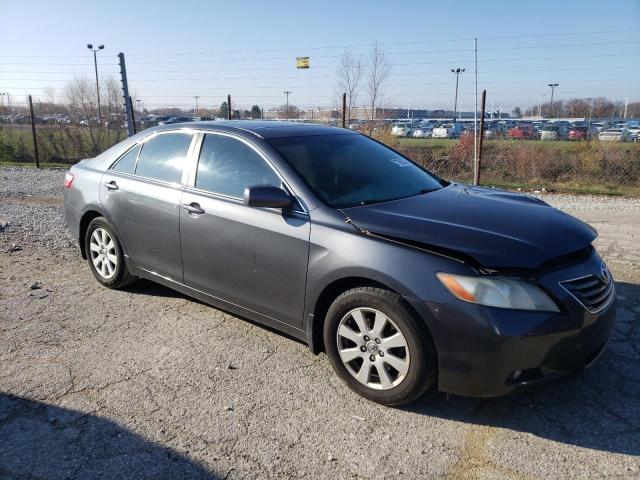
(378,347)
(105,256)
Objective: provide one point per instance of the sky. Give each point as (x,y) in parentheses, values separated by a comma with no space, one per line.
(178,49)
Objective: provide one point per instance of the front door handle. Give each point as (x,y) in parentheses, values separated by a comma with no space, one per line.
(193,207)
(112,185)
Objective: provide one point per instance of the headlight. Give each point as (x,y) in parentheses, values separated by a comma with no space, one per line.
(498,292)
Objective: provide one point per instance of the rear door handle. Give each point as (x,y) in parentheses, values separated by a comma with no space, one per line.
(112,185)
(193,208)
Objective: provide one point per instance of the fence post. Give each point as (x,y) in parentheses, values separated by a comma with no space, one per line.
(131,128)
(133,118)
(476,179)
(228,107)
(344,110)
(33,130)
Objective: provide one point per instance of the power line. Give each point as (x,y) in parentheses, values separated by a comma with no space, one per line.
(262,58)
(483,72)
(346,46)
(505,82)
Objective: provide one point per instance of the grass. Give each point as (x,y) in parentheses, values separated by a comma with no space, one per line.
(56,165)
(574,188)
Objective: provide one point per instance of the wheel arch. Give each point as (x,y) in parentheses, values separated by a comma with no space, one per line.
(85,220)
(330,292)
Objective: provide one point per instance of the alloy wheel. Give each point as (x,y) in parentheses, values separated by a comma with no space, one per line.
(103,253)
(373,348)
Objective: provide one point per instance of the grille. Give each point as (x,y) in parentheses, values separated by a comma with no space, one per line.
(592,292)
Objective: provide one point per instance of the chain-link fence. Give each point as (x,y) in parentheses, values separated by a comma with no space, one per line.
(580,166)
(529,151)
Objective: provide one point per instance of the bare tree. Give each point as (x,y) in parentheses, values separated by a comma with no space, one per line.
(377,73)
(82,99)
(349,72)
(115,116)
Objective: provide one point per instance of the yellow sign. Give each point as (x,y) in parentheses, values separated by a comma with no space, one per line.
(302,62)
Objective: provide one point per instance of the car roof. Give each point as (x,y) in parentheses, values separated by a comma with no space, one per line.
(264,128)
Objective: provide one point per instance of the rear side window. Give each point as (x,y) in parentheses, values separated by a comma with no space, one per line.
(163,156)
(127,162)
(228,165)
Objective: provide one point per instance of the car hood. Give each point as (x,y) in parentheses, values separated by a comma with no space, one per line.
(495,228)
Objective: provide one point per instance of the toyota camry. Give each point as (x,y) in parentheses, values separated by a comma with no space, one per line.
(408,282)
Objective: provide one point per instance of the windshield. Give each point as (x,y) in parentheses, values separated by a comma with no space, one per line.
(349,170)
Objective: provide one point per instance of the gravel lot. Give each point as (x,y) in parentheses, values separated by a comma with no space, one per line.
(146,383)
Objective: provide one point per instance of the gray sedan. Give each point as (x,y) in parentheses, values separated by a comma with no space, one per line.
(408,282)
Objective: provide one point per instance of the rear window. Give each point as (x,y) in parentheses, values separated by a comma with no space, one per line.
(127,162)
(163,156)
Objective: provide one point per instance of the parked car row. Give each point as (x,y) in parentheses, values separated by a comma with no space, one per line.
(522,130)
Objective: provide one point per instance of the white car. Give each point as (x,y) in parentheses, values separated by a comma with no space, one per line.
(422,132)
(634,133)
(614,135)
(551,132)
(447,130)
(401,130)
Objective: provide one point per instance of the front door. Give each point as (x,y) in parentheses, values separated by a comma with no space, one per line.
(255,258)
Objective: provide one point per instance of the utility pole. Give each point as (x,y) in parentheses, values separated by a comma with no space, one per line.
(344,110)
(286,109)
(553,87)
(125,95)
(229,107)
(476,176)
(457,71)
(95,63)
(626,104)
(33,131)
(475,109)
(195,110)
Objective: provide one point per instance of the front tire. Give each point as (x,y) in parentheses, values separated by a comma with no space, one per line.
(378,348)
(104,255)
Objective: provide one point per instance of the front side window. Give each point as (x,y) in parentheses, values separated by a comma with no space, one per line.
(163,156)
(350,170)
(127,162)
(227,166)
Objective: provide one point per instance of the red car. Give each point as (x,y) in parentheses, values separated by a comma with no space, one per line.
(523,132)
(579,133)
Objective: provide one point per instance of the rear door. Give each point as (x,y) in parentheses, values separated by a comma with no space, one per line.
(255,258)
(141,194)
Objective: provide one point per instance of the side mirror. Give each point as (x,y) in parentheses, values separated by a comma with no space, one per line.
(266,196)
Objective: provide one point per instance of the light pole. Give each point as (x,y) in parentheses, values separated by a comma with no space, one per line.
(540,106)
(195,110)
(286,108)
(2,94)
(553,87)
(457,71)
(95,63)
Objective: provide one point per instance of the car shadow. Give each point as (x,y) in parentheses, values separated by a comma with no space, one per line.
(599,409)
(38,440)
(147,287)
(153,289)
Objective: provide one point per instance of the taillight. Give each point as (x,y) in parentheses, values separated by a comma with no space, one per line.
(68,179)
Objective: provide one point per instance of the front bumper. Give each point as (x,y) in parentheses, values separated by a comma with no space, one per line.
(488,352)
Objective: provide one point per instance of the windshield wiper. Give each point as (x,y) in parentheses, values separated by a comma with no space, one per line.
(369,201)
